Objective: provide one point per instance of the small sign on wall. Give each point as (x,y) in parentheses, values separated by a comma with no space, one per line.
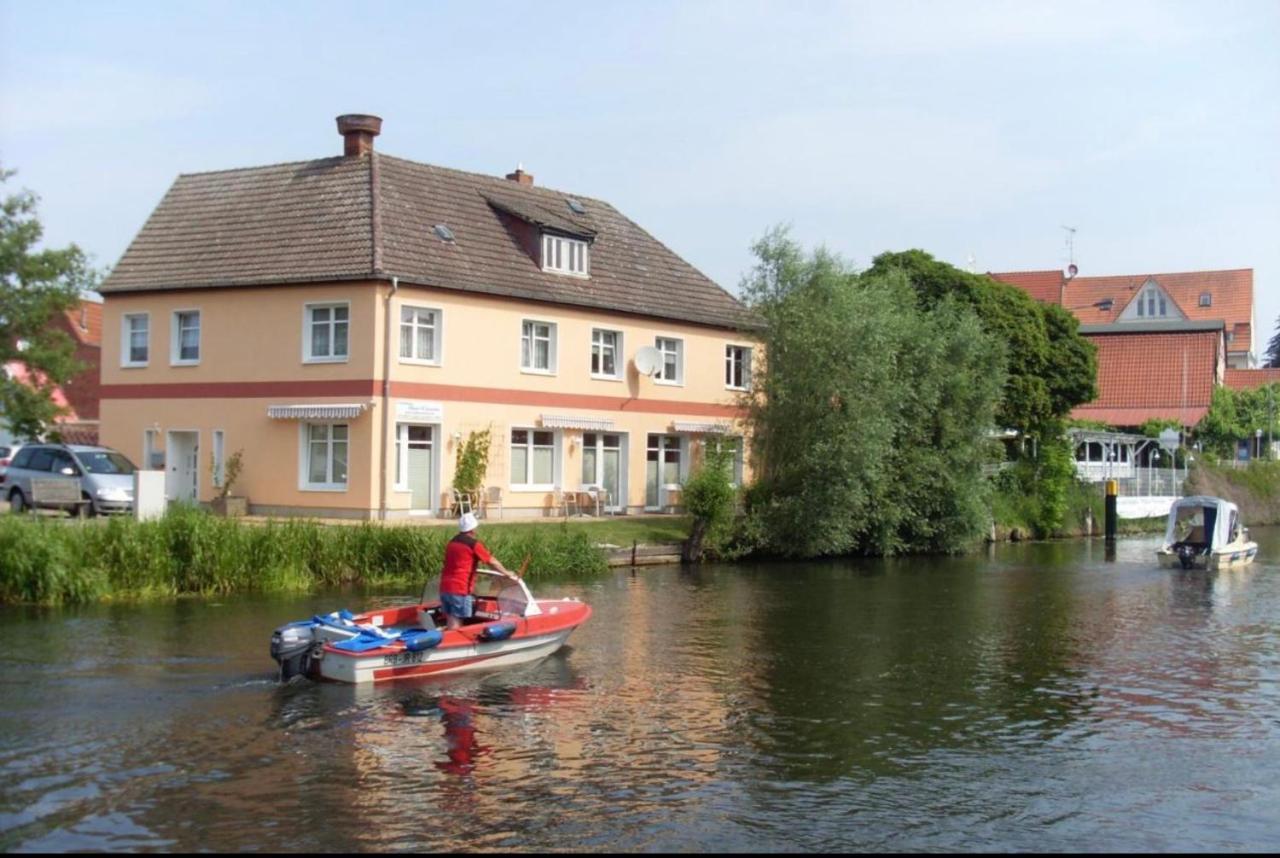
(419,411)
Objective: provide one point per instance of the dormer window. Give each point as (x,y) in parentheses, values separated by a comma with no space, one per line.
(564,255)
(1206,299)
(1154,300)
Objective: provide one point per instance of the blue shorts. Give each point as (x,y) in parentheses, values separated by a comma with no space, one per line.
(461,607)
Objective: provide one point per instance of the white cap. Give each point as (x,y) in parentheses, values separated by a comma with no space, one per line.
(468,522)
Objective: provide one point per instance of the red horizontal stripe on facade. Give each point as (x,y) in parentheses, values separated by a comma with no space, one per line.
(414,390)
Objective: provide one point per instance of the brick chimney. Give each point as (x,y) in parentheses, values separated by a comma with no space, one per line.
(520,176)
(358,131)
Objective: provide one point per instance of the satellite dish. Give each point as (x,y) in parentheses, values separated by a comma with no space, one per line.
(1072,270)
(647,360)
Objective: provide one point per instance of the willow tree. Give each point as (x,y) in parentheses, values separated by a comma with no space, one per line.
(35,285)
(869,417)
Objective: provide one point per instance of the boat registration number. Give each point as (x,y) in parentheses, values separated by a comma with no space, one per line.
(404,658)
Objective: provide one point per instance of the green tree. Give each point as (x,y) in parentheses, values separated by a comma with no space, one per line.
(1272,356)
(34,287)
(473,462)
(1052,368)
(708,496)
(870,413)
(1239,414)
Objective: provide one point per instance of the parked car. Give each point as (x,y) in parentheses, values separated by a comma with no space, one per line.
(7,452)
(106,475)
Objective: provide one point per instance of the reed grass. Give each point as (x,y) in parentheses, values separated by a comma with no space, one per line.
(191,552)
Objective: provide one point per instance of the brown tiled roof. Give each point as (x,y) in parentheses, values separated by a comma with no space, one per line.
(1231,293)
(90,313)
(1247,379)
(1141,376)
(373,217)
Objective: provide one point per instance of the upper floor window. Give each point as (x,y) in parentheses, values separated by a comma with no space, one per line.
(538,346)
(135,346)
(564,255)
(671,360)
(1154,300)
(1206,299)
(327,329)
(420,335)
(737,367)
(606,346)
(184,347)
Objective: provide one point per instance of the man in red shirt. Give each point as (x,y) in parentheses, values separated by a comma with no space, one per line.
(462,556)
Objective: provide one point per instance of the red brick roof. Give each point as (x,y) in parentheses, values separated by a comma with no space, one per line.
(1231,294)
(90,313)
(1247,379)
(1141,376)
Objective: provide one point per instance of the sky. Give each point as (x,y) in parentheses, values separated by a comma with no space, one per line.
(976,131)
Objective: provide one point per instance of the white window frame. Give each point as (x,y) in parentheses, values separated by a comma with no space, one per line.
(618,353)
(175,337)
(304,457)
(307,309)
(126,341)
(551,347)
(219,459)
(747,353)
(658,376)
(557,460)
(564,255)
(437,337)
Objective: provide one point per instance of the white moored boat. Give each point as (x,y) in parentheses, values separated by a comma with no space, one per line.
(1205,533)
(509,627)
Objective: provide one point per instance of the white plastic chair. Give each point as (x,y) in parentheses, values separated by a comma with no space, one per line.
(493,497)
(562,500)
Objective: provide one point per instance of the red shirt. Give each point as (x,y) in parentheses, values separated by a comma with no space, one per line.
(461,556)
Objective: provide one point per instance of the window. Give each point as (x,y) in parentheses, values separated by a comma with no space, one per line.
(605,348)
(671,362)
(737,367)
(135,341)
(1206,299)
(420,335)
(324,456)
(185,345)
(219,469)
(533,458)
(325,338)
(538,347)
(564,255)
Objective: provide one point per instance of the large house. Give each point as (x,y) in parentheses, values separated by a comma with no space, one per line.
(1164,340)
(348,322)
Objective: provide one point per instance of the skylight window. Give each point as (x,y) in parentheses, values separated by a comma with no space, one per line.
(443,232)
(1206,299)
(577,207)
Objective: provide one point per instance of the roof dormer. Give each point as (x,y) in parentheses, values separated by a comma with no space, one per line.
(1151,303)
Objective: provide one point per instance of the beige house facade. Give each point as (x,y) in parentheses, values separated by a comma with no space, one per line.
(348,324)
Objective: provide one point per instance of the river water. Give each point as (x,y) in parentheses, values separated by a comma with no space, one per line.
(1033,697)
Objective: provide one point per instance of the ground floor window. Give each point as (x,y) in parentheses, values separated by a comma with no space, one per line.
(533,458)
(325,455)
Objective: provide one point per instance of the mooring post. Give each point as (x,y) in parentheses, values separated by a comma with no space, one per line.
(1110,525)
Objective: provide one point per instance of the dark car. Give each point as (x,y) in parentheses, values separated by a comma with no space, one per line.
(106,475)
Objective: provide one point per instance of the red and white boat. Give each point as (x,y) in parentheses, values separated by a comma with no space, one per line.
(509,627)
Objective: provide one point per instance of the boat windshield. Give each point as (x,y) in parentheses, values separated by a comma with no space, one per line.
(512,597)
(1189,525)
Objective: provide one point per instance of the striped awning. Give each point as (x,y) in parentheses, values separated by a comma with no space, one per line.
(699,428)
(566,421)
(327,411)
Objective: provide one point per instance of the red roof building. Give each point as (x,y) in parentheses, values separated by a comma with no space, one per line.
(79,396)
(1248,379)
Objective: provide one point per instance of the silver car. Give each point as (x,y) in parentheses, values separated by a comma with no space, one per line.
(106,475)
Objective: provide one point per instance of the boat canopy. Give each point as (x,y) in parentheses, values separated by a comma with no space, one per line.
(1201,519)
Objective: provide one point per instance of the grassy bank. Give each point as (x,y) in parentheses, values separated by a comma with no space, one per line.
(1255,489)
(1015,515)
(188,551)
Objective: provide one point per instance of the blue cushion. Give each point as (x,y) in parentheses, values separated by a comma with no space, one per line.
(498,632)
(420,639)
(360,643)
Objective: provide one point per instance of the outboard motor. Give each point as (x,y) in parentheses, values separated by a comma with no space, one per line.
(291,648)
(1186,555)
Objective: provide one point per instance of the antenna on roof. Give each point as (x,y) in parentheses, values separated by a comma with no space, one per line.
(973,263)
(1071,249)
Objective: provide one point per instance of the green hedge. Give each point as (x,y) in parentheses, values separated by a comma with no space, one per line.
(53,561)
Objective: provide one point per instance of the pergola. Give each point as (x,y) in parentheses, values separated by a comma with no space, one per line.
(1102,455)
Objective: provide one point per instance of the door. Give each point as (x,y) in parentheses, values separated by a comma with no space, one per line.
(182,484)
(662,468)
(603,455)
(415,446)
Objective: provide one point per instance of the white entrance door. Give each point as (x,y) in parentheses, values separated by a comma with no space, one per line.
(415,470)
(182,458)
(663,469)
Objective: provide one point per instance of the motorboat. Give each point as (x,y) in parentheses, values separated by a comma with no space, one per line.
(1205,533)
(509,627)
